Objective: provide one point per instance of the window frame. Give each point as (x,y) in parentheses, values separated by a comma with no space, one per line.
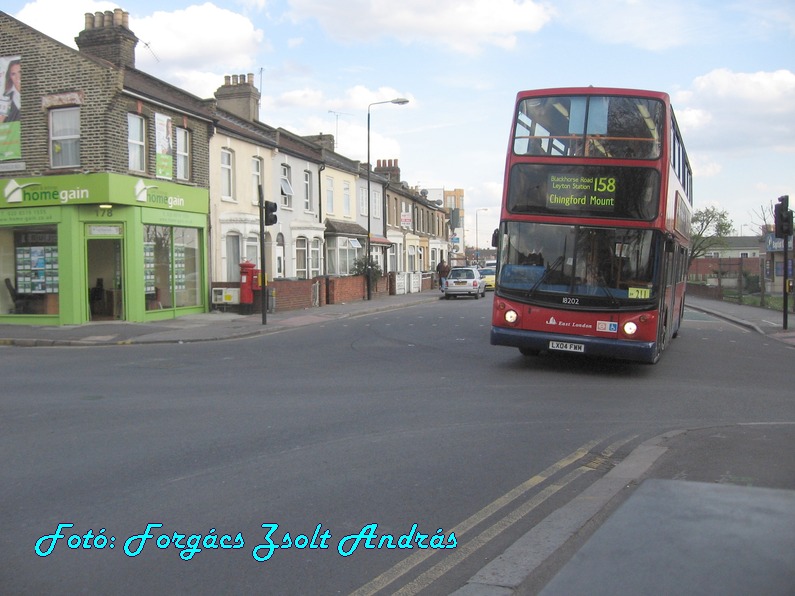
(227,175)
(183,153)
(136,146)
(329,194)
(301,257)
(256,179)
(308,202)
(285,184)
(65,138)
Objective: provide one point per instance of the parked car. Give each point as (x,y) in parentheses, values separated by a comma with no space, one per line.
(464,281)
(488,273)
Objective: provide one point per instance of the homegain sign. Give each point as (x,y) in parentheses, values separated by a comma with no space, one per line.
(39,193)
(85,189)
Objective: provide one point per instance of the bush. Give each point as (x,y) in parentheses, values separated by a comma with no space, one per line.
(359,266)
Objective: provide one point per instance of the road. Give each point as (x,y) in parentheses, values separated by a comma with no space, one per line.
(395,424)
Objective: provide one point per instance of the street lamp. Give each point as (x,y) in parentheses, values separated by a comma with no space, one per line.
(477,238)
(400,101)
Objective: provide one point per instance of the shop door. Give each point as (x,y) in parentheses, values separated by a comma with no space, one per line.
(105,279)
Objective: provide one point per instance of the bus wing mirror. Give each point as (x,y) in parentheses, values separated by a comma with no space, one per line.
(495,239)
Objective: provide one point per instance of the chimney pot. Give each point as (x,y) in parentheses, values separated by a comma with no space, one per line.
(89,20)
(99,19)
(108,22)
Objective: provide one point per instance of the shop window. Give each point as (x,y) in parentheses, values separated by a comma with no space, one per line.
(65,137)
(172,267)
(29,270)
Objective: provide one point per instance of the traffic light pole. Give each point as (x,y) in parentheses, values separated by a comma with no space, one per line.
(263,277)
(783,226)
(786,283)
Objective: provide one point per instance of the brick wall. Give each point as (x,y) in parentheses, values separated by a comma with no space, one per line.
(347,289)
(296,294)
(54,75)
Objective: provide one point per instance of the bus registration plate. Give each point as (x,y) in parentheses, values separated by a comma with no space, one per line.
(566,346)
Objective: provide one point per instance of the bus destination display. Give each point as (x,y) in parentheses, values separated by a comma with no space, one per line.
(567,192)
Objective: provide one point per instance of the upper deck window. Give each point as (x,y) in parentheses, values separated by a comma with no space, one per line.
(605,127)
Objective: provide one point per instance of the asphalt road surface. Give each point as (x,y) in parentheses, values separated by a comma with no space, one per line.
(396,451)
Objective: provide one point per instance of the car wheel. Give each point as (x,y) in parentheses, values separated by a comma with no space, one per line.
(477,294)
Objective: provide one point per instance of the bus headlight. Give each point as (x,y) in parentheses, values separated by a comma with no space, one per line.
(511,316)
(630,328)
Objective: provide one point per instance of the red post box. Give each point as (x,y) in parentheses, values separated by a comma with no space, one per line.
(247,281)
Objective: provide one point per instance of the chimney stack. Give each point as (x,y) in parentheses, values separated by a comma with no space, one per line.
(239,96)
(107,35)
(388,168)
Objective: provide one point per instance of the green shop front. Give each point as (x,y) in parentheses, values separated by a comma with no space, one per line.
(90,247)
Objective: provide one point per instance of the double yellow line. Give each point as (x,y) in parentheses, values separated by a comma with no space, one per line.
(466,548)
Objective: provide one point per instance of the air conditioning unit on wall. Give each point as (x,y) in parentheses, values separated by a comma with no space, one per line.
(226,295)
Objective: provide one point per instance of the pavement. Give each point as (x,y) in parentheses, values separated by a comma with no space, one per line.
(693,511)
(216,325)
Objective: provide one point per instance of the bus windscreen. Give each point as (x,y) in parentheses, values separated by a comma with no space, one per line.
(602,127)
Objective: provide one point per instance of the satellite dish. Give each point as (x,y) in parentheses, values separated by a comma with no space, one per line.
(456,248)
(424,192)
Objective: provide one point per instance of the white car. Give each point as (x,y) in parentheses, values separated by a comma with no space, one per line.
(464,281)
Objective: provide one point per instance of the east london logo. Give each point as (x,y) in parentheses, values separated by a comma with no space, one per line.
(554,321)
(143,195)
(25,193)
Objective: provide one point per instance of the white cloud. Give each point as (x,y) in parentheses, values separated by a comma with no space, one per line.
(300,98)
(464,26)
(653,26)
(187,44)
(60,20)
(191,48)
(737,112)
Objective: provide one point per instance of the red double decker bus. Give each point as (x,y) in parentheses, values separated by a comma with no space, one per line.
(594,229)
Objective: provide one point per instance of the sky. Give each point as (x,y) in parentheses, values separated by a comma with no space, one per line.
(729,67)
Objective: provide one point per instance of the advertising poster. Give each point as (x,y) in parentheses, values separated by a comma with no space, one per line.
(163,139)
(10,106)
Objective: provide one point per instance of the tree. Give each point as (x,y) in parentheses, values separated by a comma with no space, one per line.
(710,227)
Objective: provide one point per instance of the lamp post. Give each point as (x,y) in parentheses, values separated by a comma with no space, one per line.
(400,101)
(477,238)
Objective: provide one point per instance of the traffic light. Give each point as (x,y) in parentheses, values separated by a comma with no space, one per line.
(783,217)
(270,213)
